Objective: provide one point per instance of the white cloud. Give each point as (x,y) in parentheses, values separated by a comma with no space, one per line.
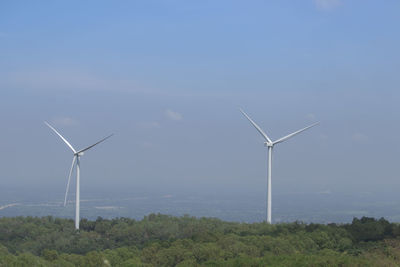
(64,121)
(173,115)
(359,138)
(327,4)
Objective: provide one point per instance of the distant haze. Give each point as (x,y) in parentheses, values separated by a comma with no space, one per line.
(168,77)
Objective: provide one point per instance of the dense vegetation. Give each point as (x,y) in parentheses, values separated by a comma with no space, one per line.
(160,240)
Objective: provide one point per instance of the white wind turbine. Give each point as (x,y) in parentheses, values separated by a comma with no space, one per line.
(270,144)
(76,158)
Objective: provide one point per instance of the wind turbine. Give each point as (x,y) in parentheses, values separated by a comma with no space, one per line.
(75,159)
(270,144)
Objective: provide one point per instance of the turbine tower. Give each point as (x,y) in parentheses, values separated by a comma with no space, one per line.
(75,159)
(270,144)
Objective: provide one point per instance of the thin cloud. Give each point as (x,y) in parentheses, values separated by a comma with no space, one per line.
(52,80)
(173,115)
(323,137)
(149,125)
(325,192)
(148,145)
(69,80)
(64,121)
(311,116)
(327,4)
(359,138)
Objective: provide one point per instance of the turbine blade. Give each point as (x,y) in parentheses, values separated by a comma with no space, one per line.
(256,126)
(65,140)
(89,147)
(293,134)
(69,179)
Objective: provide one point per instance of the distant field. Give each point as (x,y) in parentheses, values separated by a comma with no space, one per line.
(317,208)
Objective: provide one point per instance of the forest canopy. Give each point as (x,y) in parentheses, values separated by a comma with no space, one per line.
(162,240)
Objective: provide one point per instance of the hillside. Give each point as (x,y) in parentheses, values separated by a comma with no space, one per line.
(161,240)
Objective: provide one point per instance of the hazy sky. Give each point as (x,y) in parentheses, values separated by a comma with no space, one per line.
(167,77)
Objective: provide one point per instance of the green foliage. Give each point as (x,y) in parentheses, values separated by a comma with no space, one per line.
(370,229)
(49,255)
(161,240)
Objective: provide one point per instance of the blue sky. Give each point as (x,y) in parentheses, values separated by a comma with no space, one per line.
(167,77)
